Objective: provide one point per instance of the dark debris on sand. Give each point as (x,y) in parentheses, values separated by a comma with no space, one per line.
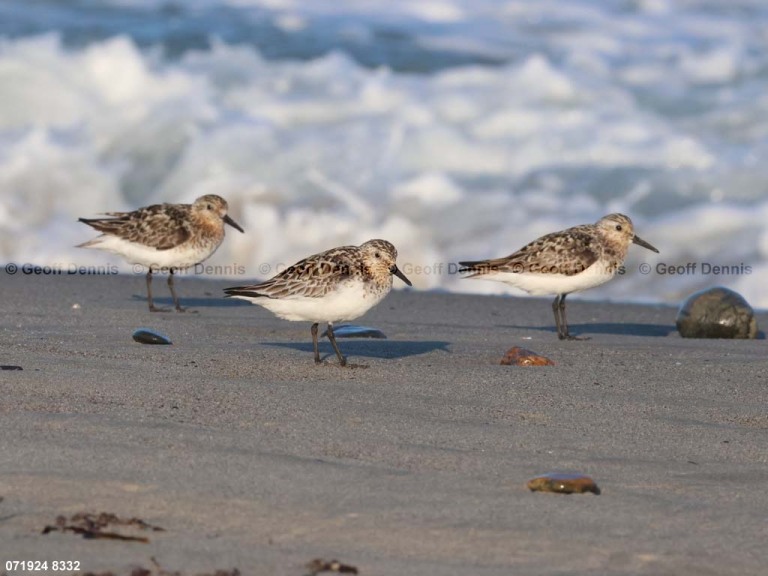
(93,526)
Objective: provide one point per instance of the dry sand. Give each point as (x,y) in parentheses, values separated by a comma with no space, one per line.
(252,457)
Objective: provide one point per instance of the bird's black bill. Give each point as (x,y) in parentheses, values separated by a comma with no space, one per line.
(232,223)
(640,242)
(396,271)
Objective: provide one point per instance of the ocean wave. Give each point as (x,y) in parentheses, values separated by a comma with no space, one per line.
(664,120)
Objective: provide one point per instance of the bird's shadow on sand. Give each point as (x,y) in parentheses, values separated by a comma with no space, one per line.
(625,329)
(210,302)
(612,329)
(368,348)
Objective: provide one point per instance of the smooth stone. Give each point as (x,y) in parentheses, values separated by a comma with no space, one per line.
(563,484)
(517,356)
(147,336)
(716,313)
(354,331)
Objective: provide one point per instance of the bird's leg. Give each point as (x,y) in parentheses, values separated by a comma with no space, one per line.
(314,343)
(173,293)
(149,293)
(565,335)
(558,322)
(332,338)
(152,307)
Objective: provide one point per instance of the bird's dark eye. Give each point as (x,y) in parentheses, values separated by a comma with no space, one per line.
(618,228)
(210,206)
(377,255)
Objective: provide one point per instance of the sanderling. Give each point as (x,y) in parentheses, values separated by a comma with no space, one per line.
(563,262)
(335,285)
(164,236)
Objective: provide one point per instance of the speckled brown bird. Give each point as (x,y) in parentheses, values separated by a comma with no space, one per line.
(167,237)
(562,262)
(338,284)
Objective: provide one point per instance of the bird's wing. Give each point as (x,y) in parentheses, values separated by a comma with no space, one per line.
(569,252)
(161,226)
(312,277)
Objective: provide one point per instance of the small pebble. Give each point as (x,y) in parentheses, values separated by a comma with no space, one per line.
(517,356)
(147,336)
(319,565)
(354,331)
(75,306)
(563,484)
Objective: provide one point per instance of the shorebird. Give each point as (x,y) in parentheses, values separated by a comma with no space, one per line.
(164,237)
(562,262)
(332,286)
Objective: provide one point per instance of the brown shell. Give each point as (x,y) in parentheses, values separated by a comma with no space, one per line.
(517,356)
(563,484)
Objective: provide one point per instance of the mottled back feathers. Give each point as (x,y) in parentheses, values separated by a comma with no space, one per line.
(568,252)
(372,263)
(166,226)
(160,226)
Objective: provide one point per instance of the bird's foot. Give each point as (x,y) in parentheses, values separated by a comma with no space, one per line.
(568,336)
(180,309)
(345,364)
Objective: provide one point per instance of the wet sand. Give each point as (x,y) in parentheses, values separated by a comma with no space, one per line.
(251,457)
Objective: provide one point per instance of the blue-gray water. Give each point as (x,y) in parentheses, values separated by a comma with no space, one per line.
(454,128)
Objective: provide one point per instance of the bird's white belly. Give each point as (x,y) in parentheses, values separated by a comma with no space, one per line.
(180,257)
(347,302)
(543,284)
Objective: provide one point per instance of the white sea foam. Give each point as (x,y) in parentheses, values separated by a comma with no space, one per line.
(657,111)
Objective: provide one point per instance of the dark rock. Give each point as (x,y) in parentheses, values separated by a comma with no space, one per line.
(716,313)
(147,336)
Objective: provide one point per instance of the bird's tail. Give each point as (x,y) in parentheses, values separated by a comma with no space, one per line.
(242,291)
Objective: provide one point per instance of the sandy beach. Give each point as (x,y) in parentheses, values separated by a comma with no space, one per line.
(251,457)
